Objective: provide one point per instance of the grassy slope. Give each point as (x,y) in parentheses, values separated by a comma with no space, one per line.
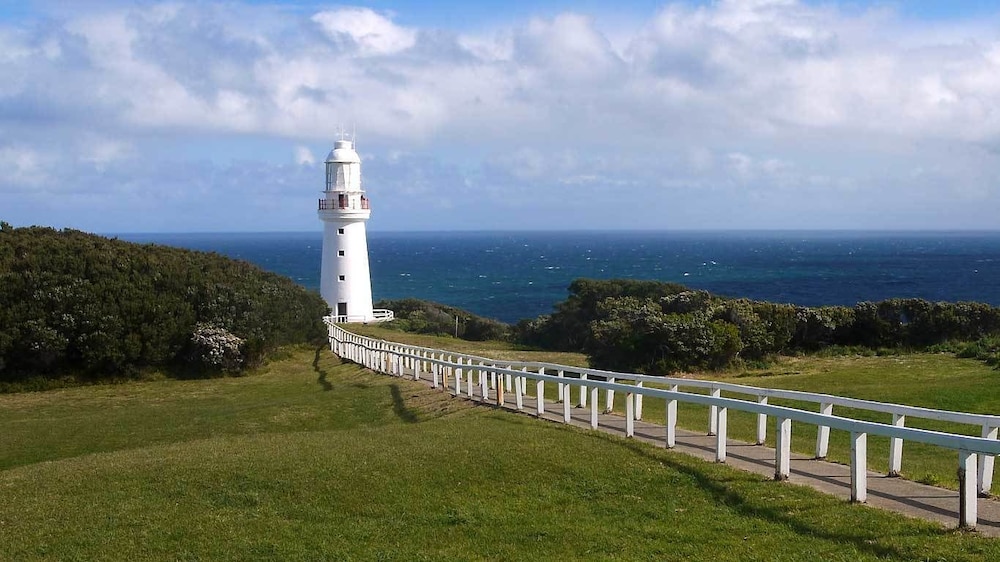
(314,459)
(922,379)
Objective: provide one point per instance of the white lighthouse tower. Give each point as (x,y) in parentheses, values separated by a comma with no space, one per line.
(345,281)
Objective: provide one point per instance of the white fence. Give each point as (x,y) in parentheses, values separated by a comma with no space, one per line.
(975,454)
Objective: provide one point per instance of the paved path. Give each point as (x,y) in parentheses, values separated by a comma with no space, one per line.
(894,494)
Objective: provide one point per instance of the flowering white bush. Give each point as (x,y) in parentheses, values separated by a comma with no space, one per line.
(217,347)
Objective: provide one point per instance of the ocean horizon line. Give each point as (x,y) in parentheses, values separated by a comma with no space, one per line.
(573,231)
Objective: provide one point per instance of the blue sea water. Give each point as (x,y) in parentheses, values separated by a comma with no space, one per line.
(514,275)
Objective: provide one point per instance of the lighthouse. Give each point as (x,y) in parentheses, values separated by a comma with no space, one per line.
(345,280)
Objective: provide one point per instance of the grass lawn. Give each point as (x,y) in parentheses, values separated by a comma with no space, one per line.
(939,381)
(313,459)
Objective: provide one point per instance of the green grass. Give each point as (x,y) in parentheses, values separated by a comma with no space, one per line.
(932,380)
(939,381)
(313,459)
(492,349)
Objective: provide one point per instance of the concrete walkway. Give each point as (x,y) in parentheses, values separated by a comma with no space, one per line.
(894,494)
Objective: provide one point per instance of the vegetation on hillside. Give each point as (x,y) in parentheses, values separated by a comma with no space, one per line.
(426,317)
(655,327)
(78,304)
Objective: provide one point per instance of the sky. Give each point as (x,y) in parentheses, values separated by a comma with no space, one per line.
(202,116)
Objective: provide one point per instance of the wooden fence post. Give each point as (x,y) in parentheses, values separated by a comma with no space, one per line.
(672,419)
(566,405)
(713,412)
(859,467)
(896,447)
(720,435)
(823,432)
(782,448)
(761,422)
(986,463)
(968,490)
(629,414)
(593,407)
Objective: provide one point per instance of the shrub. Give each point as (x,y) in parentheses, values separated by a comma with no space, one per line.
(662,327)
(426,317)
(216,348)
(76,303)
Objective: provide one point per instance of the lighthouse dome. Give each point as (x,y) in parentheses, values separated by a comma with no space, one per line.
(343,151)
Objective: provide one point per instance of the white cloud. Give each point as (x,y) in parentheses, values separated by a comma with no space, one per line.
(24,168)
(304,156)
(568,49)
(370,32)
(697,103)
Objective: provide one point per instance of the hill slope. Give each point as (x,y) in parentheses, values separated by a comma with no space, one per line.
(80,304)
(314,459)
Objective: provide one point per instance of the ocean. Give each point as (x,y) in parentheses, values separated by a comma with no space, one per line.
(515,275)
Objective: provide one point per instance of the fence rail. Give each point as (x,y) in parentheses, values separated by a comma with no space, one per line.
(378,315)
(975,454)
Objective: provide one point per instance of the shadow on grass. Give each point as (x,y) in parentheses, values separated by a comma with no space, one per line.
(399,406)
(321,371)
(747,507)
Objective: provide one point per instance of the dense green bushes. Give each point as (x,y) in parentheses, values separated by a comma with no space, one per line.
(568,328)
(655,327)
(425,317)
(77,303)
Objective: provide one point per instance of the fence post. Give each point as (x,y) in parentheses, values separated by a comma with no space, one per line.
(761,422)
(629,414)
(500,388)
(566,407)
(782,448)
(986,463)
(859,467)
(559,387)
(672,419)
(417,364)
(519,390)
(540,396)
(436,377)
(539,384)
(720,436)
(583,391)
(713,413)
(638,402)
(593,407)
(609,405)
(967,490)
(469,383)
(483,382)
(896,447)
(823,432)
